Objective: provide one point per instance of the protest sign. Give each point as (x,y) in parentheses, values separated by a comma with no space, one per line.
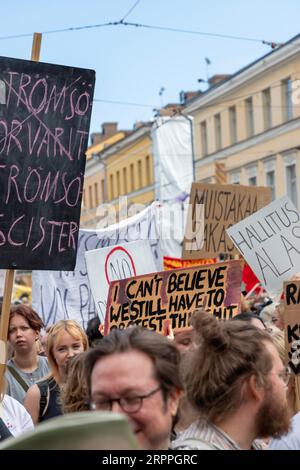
(269,240)
(173,295)
(44,126)
(113,263)
(213,209)
(292,324)
(58,295)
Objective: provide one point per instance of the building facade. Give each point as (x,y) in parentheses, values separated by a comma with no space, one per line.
(249,125)
(94,187)
(122,168)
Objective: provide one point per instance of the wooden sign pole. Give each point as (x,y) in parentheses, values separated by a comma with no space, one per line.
(9,275)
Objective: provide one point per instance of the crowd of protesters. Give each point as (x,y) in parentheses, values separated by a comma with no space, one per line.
(214,385)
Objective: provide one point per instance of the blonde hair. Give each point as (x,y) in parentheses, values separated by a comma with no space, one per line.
(54,335)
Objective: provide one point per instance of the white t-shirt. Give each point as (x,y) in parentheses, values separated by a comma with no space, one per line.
(15,416)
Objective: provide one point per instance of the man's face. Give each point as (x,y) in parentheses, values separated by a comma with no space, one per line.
(131,374)
(273,418)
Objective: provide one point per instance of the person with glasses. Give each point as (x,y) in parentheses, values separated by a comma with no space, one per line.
(237,383)
(136,372)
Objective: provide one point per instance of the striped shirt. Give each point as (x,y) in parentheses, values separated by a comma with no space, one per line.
(208,433)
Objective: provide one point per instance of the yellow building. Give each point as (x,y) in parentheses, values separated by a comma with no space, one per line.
(94,178)
(129,168)
(121,168)
(250,124)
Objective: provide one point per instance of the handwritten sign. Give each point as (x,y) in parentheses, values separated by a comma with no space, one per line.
(59,295)
(113,263)
(44,126)
(292,324)
(269,240)
(213,209)
(174,295)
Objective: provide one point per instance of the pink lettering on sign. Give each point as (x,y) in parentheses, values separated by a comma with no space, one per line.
(119,265)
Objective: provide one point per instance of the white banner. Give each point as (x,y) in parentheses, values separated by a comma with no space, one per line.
(269,240)
(114,263)
(58,295)
(173,156)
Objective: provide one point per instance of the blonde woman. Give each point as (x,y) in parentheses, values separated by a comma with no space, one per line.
(65,339)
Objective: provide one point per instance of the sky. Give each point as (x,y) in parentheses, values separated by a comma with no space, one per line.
(133,64)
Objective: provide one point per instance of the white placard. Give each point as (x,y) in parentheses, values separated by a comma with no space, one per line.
(269,240)
(58,295)
(114,263)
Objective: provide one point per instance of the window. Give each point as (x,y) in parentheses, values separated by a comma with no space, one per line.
(252,175)
(269,167)
(218,131)
(287,104)
(148,171)
(249,117)
(96,194)
(91,196)
(291,182)
(125,180)
(235,177)
(111,180)
(103,190)
(270,181)
(203,138)
(132,177)
(84,199)
(267,112)
(232,125)
(118,184)
(140,176)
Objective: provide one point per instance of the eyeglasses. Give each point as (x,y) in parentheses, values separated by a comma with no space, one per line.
(285,375)
(128,404)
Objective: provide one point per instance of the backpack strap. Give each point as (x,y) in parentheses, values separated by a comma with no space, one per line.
(18,378)
(44,400)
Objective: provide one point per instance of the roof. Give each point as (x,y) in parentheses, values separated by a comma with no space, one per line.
(199,99)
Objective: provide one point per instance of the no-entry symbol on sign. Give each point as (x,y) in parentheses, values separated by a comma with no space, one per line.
(119,265)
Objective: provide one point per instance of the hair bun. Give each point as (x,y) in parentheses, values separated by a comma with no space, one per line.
(212,331)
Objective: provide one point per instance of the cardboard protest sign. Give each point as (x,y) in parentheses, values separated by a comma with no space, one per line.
(113,263)
(174,295)
(59,295)
(213,209)
(44,124)
(269,240)
(292,324)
